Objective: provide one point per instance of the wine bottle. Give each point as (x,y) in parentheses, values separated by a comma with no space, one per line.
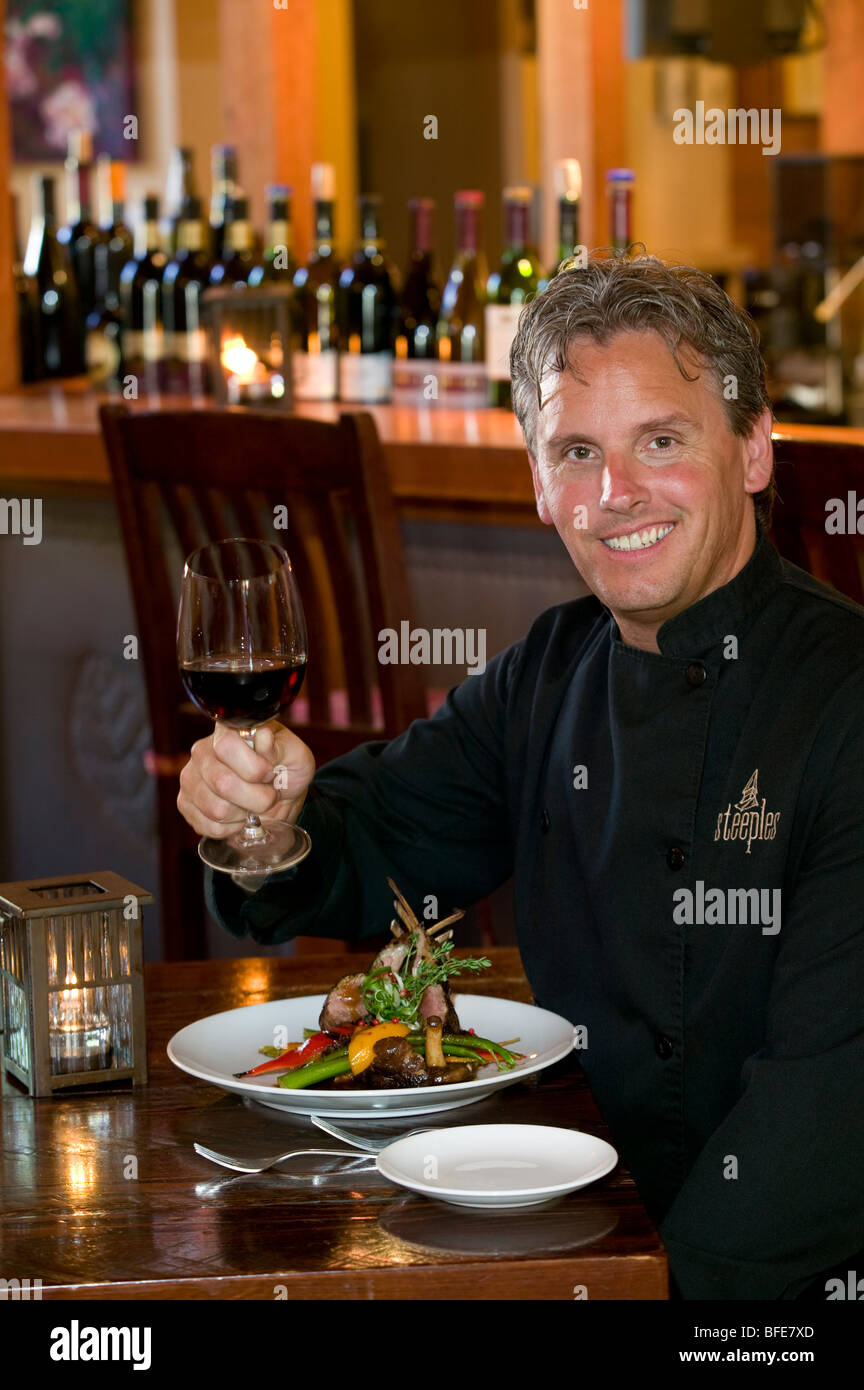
(27,300)
(366,308)
(224,185)
(461,367)
(516,280)
(80,233)
(238,248)
(48,261)
(141,301)
(179,193)
(276,265)
(103,326)
(116,246)
(421,302)
(568,187)
(184,354)
(102,336)
(315,364)
(619,191)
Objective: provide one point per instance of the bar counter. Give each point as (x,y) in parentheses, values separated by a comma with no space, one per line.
(447,465)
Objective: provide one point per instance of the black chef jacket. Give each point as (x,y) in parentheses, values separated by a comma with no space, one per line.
(725,1031)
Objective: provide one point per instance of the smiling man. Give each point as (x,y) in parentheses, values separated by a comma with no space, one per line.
(646,472)
(670,771)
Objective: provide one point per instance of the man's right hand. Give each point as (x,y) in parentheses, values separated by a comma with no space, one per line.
(224,779)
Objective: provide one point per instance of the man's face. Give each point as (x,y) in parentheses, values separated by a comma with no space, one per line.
(634,451)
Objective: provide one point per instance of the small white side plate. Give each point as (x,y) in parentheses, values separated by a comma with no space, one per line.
(497,1165)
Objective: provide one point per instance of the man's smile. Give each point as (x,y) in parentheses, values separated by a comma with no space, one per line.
(639,540)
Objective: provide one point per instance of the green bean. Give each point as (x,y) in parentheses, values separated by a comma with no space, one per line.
(470,1040)
(320,1069)
(470,1045)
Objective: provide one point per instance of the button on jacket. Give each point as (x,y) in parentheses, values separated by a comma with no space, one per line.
(685,832)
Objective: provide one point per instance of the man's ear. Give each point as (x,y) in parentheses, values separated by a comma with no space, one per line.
(759,457)
(542,507)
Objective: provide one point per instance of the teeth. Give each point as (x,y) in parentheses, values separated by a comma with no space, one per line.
(639,540)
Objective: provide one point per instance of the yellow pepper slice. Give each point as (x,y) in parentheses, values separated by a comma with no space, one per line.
(361,1048)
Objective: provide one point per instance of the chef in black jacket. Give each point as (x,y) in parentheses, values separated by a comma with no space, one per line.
(671,771)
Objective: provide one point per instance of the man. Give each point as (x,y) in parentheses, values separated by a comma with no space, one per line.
(670,770)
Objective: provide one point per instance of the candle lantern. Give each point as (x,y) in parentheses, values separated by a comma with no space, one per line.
(71,981)
(250,345)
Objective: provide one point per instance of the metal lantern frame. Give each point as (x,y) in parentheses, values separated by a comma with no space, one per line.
(105,947)
(252,312)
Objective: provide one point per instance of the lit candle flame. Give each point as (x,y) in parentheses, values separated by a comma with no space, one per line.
(70,1004)
(238,358)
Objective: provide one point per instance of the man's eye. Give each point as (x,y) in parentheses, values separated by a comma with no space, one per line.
(579,451)
(664,440)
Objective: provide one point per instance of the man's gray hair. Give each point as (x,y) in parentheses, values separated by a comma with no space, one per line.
(618,295)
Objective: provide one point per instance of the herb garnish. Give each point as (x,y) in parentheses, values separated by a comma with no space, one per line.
(389,994)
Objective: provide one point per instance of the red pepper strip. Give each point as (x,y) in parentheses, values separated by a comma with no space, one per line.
(341,1030)
(490,1056)
(294,1057)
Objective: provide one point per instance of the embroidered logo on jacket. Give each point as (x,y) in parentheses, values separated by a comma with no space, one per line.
(749,820)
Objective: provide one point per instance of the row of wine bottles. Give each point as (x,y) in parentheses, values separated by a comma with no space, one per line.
(90,298)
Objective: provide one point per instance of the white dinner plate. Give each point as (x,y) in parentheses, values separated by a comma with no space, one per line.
(216,1047)
(497,1165)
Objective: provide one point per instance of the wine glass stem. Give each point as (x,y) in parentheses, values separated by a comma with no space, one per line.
(253,829)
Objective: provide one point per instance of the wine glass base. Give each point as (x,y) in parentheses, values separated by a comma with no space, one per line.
(282,847)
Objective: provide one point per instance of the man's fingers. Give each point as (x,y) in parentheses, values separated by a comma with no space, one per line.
(204,809)
(222,788)
(202,824)
(265,741)
(211,814)
(225,778)
(218,808)
(295,764)
(233,750)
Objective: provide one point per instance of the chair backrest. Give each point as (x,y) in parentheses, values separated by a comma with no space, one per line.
(183,478)
(810,476)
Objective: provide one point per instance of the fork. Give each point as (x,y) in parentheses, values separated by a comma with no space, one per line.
(247,1165)
(372,1146)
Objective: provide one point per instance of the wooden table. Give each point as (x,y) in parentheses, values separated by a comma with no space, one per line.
(105,1198)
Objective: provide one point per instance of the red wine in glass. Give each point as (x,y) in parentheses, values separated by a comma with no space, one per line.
(243,695)
(242,652)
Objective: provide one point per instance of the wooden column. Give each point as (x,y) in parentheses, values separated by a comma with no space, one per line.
(199,80)
(582,95)
(517,100)
(609,80)
(9,366)
(288,101)
(565,93)
(843,114)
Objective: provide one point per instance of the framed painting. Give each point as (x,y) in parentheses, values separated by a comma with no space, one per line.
(69,67)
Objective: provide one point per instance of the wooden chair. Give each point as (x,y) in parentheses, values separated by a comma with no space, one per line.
(809,474)
(183,478)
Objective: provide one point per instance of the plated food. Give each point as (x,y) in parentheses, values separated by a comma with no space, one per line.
(501,1041)
(393,1025)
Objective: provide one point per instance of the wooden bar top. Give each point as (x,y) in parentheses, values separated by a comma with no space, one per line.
(448,463)
(104,1196)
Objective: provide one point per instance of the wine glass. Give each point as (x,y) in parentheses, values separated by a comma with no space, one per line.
(241,647)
